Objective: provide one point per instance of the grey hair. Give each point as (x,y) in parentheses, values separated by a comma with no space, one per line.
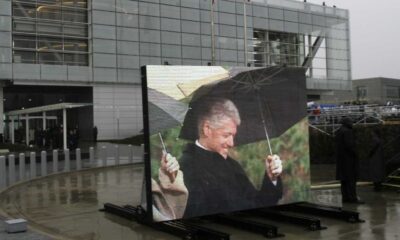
(217,111)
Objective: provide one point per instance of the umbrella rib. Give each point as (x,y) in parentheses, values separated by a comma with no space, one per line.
(263,122)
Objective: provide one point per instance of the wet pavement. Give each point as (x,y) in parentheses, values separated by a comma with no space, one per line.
(66,206)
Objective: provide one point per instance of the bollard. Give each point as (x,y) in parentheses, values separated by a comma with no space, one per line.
(43,163)
(104,155)
(21,166)
(91,156)
(32,165)
(78,159)
(2,172)
(55,161)
(67,162)
(116,155)
(11,169)
(130,152)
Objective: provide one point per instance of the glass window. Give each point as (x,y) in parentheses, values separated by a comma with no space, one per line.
(75,45)
(56,38)
(75,3)
(75,30)
(24,57)
(52,12)
(24,10)
(47,43)
(74,15)
(361,92)
(392,91)
(50,28)
(50,58)
(278,48)
(23,26)
(24,41)
(76,59)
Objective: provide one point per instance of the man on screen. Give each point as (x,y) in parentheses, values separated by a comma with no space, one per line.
(217,183)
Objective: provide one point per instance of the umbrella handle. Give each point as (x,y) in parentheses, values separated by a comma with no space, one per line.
(162,143)
(172,176)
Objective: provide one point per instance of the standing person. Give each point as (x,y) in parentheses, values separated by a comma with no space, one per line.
(95,132)
(347,162)
(217,183)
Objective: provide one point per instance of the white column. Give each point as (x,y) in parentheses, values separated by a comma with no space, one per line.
(27,129)
(11,169)
(21,166)
(65,128)
(3,173)
(44,121)
(1,110)
(43,163)
(55,161)
(78,159)
(12,130)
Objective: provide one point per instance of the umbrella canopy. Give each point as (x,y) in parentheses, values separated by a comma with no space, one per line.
(164,111)
(268,99)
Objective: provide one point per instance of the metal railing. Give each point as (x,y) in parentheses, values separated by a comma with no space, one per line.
(327,120)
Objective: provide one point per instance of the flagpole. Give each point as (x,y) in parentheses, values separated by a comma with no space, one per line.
(212,34)
(245,32)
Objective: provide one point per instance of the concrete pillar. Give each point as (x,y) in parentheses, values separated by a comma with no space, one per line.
(67,161)
(44,128)
(91,155)
(78,159)
(3,180)
(21,166)
(32,165)
(44,121)
(104,155)
(116,154)
(1,110)
(55,161)
(12,130)
(43,163)
(65,128)
(27,129)
(11,169)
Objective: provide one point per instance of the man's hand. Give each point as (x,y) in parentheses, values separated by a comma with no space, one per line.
(273,167)
(169,165)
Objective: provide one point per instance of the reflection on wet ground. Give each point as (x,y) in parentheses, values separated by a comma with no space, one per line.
(68,205)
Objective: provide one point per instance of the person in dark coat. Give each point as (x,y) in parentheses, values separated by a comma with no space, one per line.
(217,183)
(95,132)
(346,161)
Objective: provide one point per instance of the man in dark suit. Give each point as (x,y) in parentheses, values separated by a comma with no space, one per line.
(217,183)
(347,162)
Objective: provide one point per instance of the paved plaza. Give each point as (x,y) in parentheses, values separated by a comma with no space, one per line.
(66,206)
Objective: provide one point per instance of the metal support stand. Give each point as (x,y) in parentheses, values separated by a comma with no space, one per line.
(321,210)
(310,223)
(238,221)
(177,228)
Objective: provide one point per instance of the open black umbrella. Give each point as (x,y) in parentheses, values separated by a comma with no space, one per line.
(164,111)
(269,100)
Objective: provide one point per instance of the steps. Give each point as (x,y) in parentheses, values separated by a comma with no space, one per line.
(393,180)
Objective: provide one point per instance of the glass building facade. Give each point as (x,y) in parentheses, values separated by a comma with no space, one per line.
(103,44)
(50,32)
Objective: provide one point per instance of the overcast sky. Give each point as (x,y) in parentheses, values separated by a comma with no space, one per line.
(375,36)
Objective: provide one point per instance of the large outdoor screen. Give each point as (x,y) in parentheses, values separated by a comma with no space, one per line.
(223,139)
